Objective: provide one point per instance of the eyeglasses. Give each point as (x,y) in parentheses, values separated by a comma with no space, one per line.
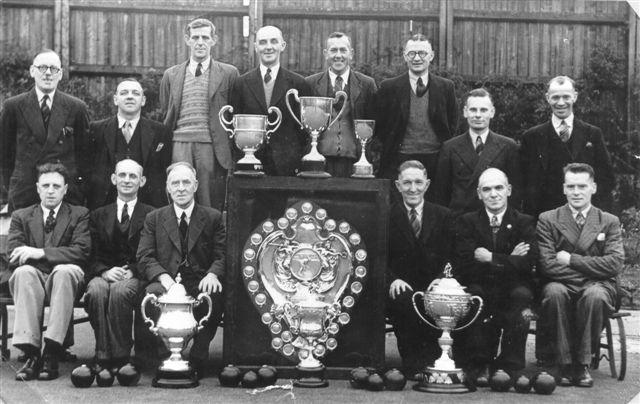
(412,54)
(43,69)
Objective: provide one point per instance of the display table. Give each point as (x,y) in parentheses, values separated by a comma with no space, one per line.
(362,203)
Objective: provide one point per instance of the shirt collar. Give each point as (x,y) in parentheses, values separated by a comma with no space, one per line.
(482,135)
(274,70)
(193,65)
(130,205)
(585,211)
(188,210)
(418,208)
(557,121)
(134,122)
(45,211)
(413,79)
(40,94)
(344,75)
(499,215)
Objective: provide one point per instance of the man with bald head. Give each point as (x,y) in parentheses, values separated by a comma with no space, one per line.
(128,135)
(495,251)
(40,126)
(266,86)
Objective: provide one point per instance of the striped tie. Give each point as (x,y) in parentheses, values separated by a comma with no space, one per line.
(563,131)
(46,111)
(415,223)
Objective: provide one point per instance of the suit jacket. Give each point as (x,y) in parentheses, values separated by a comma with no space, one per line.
(418,261)
(25,144)
(459,168)
(543,156)
(282,155)
(159,250)
(473,231)
(156,157)
(221,78)
(105,253)
(597,253)
(393,113)
(71,240)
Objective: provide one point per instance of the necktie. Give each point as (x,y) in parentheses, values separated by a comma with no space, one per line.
(338,84)
(479,145)
(199,70)
(124,219)
(267,76)
(494,224)
(127,132)
(415,223)
(184,227)
(564,131)
(50,223)
(46,111)
(580,220)
(421,89)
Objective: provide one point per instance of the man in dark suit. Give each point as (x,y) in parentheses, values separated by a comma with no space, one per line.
(581,253)
(186,238)
(495,253)
(418,251)
(48,244)
(258,89)
(417,112)
(191,95)
(40,126)
(463,158)
(547,148)
(112,293)
(129,136)
(338,144)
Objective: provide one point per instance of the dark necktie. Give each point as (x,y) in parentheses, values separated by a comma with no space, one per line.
(421,89)
(50,223)
(267,76)
(564,131)
(415,223)
(46,111)
(199,70)
(479,145)
(338,84)
(495,226)
(124,219)
(184,227)
(580,220)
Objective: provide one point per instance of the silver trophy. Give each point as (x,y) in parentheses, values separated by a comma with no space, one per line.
(364,132)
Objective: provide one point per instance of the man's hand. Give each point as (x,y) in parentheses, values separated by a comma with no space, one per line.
(563,257)
(114,274)
(481,254)
(521,249)
(210,284)
(166,280)
(24,253)
(398,286)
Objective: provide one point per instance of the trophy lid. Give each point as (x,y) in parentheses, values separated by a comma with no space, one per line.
(176,293)
(447,285)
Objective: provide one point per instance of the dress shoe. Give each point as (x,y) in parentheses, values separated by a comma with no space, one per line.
(482,380)
(29,370)
(49,368)
(582,377)
(565,376)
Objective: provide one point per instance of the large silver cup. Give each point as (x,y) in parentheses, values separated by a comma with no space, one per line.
(249,132)
(446,302)
(315,118)
(364,132)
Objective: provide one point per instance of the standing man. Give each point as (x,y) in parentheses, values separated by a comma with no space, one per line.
(417,112)
(112,294)
(465,157)
(39,126)
(338,144)
(418,252)
(187,238)
(191,95)
(495,253)
(48,244)
(129,136)
(581,253)
(265,86)
(564,139)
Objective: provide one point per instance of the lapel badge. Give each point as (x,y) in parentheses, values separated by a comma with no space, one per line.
(160,146)
(600,237)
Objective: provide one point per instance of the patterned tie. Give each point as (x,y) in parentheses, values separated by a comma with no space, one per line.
(495,226)
(126,131)
(124,219)
(421,89)
(580,220)
(338,84)
(479,145)
(46,111)
(563,130)
(267,76)
(50,223)
(415,223)
(199,70)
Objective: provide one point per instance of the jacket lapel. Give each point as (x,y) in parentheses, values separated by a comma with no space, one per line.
(196,224)
(466,151)
(578,140)
(404,97)
(257,88)
(354,89)
(322,85)
(546,135)
(111,216)
(170,224)
(567,225)
(137,221)
(280,87)
(491,150)
(176,87)
(59,111)
(36,226)
(590,230)
(110,136)
(62,222)
(33,116)
(215,78)
(147,138)
(426,227)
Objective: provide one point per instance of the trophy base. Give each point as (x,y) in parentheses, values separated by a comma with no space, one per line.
(313,169)
(175,380)
(249,170)
(310,377)
(362,171)
(443,382)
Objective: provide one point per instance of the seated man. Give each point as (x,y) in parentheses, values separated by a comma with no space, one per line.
(418,251)
(187,238)
(48,243)
(112,294)
(581,253)
(495,254)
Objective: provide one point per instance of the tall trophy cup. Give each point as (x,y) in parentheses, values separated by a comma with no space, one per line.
(364,132)
(446,302)
(315,118)
(249,132)
(176,326)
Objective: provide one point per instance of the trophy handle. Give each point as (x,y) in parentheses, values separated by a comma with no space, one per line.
(226,125)
(343,95)
(480,303)
(204,319)
(154,300)
(415,307)
(276,123)
(286,99)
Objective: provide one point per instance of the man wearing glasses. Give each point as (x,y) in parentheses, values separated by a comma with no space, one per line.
(417,112)
(39,126)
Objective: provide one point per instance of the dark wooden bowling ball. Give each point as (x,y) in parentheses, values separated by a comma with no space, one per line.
(523,384)
(267,375)
(544,383)
(394,380)
(375,382)
(104,378)
(359,378)
(250,380)
(500,381)
(82,376)
(128,375)
(230,376)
